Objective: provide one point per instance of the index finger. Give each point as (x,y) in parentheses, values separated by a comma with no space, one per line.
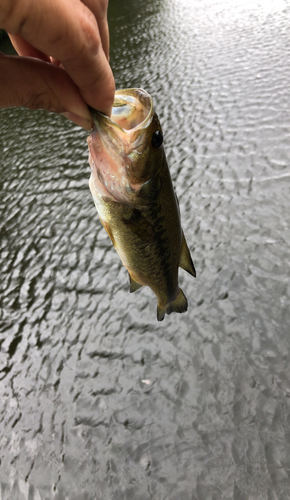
(68,31)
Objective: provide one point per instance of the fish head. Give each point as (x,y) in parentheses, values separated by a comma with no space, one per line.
(126,149)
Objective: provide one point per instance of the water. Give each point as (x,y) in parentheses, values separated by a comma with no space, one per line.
(99,400)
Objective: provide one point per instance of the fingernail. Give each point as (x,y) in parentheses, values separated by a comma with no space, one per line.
(80,108)
(79,120)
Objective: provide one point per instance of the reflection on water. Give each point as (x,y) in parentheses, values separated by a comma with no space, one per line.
(99,400)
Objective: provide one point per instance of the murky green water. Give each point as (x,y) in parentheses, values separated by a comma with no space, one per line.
(97,399)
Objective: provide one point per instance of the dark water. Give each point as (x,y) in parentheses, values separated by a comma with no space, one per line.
(97,399)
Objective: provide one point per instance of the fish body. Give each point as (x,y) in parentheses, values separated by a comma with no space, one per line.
(133,193)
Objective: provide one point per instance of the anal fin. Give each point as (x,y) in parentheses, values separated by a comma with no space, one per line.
(185,261)
(134,285)
(160,312)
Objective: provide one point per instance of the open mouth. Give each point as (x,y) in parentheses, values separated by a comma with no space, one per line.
(131,109)
(116,141)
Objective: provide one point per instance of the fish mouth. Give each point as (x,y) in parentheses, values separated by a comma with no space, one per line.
(132,113)
(116,142)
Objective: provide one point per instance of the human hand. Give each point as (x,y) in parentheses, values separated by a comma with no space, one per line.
(64,49)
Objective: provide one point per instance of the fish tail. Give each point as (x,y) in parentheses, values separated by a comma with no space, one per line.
(178,305)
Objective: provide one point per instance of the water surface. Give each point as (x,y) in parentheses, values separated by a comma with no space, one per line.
(99,400)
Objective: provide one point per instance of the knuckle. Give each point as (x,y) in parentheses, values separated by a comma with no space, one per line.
(91,34)
(35,101)
(41,100)
(14,15)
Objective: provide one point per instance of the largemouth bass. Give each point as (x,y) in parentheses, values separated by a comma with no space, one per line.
(133,193)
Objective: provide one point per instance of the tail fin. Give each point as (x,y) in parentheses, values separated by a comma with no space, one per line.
(178,305)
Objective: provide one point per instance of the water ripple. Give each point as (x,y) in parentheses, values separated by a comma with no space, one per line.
(98,399)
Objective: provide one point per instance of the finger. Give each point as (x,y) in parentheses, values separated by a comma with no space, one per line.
(68,31)
(55,61)
(23,48)
(37,84)
(100,10)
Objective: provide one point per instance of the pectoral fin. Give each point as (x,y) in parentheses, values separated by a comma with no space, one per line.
(140,226)
(185,261)
(151,188)
(108,229)
(134,285)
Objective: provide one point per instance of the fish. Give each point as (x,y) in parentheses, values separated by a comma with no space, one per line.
(133,192)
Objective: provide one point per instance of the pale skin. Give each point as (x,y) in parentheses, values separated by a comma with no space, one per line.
(63,57)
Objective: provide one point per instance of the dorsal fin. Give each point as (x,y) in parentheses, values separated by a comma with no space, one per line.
(185,261)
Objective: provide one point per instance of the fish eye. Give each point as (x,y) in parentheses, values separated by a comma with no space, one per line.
(157,139)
